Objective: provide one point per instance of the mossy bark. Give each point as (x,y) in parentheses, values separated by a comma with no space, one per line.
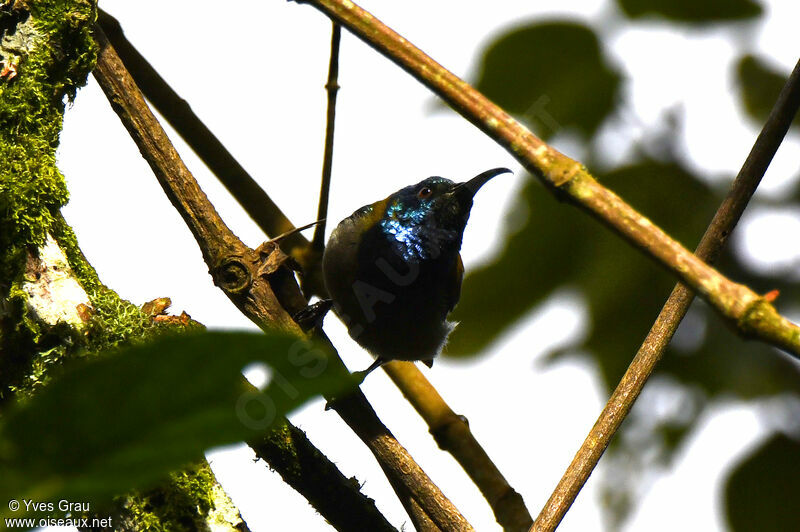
(53,307)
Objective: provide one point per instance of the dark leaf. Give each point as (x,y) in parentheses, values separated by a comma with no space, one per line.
(759,85)
(553,75)
(723,361)
(704,11)
(762,492)
(559,246)
(125,419)
(726,363)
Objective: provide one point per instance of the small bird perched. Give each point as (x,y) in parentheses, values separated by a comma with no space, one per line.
(393,268)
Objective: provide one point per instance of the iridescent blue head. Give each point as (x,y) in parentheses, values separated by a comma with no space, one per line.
(423,220)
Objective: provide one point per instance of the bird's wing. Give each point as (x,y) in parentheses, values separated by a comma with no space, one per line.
(454,289)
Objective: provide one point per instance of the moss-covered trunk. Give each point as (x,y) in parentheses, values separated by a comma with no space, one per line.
(53,306)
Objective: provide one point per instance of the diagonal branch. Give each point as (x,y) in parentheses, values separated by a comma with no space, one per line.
(258,205)
(451,431)
(394,459)
(420,520)
(643,364)
(751,314)
(228,258)
(257,281)
(300,464)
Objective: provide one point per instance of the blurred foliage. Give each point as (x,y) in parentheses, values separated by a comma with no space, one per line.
(759,84)
(751,503)
(552,245)
(518,74)
(119,422)
(624,290)
(702,11)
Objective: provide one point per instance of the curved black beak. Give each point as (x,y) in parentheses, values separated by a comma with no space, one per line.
(457,202)
(474,184)
(469,188)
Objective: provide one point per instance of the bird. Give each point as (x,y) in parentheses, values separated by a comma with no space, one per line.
(393,269)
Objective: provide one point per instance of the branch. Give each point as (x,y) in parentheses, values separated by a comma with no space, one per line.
(643,364)
(256,281)
(393,458)
(451,431)
(310,257)
(229,260)
(747,312)
(288,451)
(258,205)
(420,520)
(332,86)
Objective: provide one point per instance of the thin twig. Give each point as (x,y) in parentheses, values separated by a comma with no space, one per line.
(451,431)
(749,313)
(332,86)
(258,205)
(674,310)
(257,281)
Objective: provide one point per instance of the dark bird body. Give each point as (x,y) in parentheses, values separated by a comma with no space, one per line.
(393,268)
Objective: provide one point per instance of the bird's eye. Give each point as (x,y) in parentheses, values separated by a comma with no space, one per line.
(424,192)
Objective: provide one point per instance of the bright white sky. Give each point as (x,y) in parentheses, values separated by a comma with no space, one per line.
(254,72)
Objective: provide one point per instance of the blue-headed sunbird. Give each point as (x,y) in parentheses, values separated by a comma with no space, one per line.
(393,268)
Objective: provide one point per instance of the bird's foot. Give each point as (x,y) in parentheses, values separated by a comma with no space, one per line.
(312,315)
(361,375)
(358,377)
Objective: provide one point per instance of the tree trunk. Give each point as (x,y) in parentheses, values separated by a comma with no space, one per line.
(53,307)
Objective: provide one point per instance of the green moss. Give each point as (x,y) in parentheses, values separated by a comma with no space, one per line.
(30,349)
(116,322)
(68,242)
(54,52)
(49,43)
(50,46)
(183,503)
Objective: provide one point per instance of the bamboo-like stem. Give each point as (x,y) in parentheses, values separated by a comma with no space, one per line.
(257,281)
(451,431)
(751,314)
(177,112)
(643,364)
